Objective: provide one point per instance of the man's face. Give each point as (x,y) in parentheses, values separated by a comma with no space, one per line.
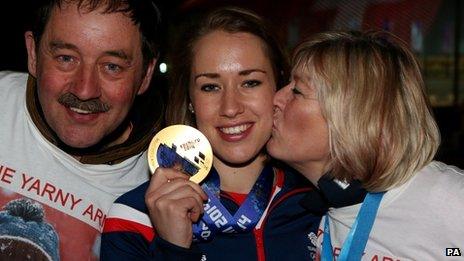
(89,69)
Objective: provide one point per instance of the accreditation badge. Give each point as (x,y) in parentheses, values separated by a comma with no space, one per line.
(182,147)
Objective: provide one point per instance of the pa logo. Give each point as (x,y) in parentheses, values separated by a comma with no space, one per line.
(453,251)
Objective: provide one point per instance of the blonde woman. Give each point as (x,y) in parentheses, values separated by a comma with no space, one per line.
(356,122)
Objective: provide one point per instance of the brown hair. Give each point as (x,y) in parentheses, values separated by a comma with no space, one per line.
(228,19)
(143,13)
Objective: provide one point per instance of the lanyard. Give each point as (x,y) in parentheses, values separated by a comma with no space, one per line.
(355,243)
(217,219)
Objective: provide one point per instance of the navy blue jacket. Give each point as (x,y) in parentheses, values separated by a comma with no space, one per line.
(288,231)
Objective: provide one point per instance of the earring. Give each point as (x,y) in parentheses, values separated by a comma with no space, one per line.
(190,108)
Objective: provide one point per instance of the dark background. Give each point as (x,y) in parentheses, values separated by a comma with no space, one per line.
(433,28)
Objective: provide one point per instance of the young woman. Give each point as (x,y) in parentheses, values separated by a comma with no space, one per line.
(226,74)
(356,114)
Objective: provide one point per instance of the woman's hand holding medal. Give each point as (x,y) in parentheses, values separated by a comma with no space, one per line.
(174,203)
(179,157)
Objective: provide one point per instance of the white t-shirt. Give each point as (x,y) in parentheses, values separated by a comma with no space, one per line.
(74,196)
(416,221)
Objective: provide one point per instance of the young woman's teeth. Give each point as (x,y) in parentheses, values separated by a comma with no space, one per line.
(235,130)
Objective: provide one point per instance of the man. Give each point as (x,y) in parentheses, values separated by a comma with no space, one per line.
(69,135)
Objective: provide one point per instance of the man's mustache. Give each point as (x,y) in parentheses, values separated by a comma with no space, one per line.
(92,105)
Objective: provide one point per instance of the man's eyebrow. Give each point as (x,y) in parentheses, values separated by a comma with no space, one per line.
(55,45)
(119,54)
(208,75)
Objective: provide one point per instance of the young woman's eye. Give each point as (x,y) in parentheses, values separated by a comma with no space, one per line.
(251,83)
(209,87)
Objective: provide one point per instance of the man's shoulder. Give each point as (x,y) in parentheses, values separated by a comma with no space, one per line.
(12,83)
(12,94)
(10,77)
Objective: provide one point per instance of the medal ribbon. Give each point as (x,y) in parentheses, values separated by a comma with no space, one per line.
(355,243)
(217,219)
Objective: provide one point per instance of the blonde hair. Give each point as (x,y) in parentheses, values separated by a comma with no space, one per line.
(373,97)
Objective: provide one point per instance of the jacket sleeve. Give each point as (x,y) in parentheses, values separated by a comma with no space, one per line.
(132,246)
(129,235)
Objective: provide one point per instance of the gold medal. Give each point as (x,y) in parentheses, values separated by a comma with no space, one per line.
(182,147)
